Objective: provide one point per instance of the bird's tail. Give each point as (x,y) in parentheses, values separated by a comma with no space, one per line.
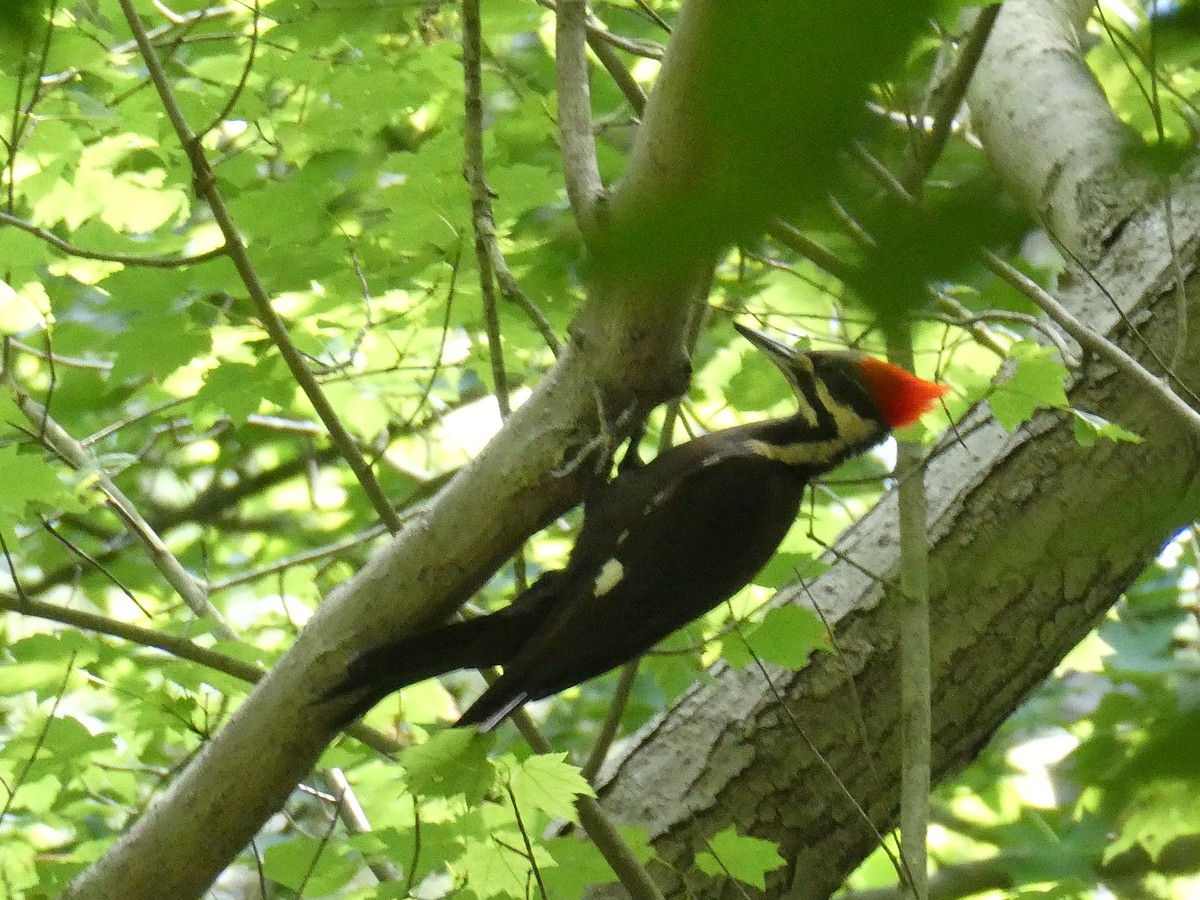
(472,644)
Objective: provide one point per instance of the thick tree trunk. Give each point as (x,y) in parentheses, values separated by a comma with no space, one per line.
(1033,536)
(732,116)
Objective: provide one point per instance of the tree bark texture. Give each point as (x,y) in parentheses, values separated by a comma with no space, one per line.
(1033,538)
(626,356)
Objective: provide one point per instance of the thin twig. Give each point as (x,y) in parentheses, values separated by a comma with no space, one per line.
(317,554)
(493,267)
(206,186)
(918,164)
(40,741)
(824,259)
(625,82)
(481,204)
(599,827)
(971,322)
(22,117)
(125,259)
(179,21)
(1180,281)
(98,566)
(82,459)
(1095,342)
(652,15)
(176,646)
(612,720)
(598,31)
(67,362)
(580,168)
(483,221)
(512,292)
(524,832)
(232,99)
(897,864)
(914,627)
(351,813)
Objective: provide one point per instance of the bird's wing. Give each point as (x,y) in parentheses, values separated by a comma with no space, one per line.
(668,559)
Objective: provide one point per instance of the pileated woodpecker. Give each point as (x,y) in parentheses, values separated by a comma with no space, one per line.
(662,544)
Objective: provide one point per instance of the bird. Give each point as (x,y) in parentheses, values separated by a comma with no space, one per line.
(661,544)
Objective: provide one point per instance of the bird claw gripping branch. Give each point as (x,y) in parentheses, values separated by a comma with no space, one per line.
(660,545)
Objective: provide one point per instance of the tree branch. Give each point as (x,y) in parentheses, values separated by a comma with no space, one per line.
(176,646)
(206,186)
(81,459)
(1026,555)
(125,259)
(1098,344)
(627,350)
(582,172)
(1079,181)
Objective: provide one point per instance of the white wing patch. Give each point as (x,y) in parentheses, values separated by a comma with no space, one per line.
(609,577)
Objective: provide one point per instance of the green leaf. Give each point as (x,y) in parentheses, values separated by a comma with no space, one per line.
(748,859)
(522,187)
(1158,814)
(787,566)
(579,865)
(786,637)
(363,409)
(450,763)
(42,661)
(1156,788)
(67,738)
(238,390)
(22,310)
(1090,427)
(230,389)
(550,784)
(36,795)
(309,863)
(758,385)
(494,868)
(138,202)
(1037,382)
(157,343)
(28,479)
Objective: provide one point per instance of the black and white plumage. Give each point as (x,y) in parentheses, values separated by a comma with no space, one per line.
(662,544)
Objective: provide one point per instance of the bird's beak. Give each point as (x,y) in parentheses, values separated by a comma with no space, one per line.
(786,357)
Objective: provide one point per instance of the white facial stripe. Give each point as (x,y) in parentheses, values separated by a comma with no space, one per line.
(811,453)
(851,429)
(850,425)
(610,576)
(805,410)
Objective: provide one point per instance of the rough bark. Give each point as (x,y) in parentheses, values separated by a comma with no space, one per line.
(1033,537)
(626,355)
(1031,83)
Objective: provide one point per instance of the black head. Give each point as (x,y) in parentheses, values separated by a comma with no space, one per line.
(869,388)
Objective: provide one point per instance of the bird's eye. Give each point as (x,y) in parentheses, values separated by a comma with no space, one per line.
(848,390)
